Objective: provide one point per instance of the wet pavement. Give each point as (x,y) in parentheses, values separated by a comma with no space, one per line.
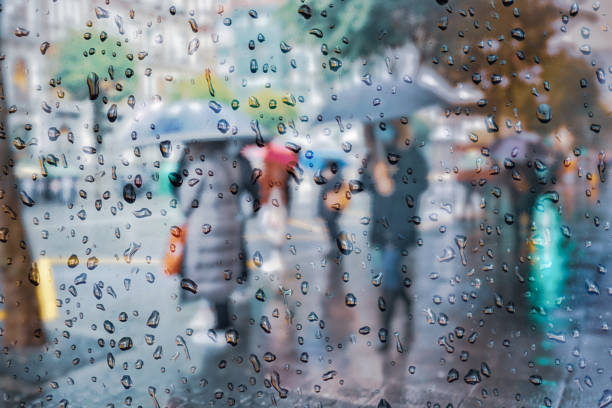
(471,338)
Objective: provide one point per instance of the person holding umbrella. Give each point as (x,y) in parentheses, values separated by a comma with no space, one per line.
(200,142)
(397,178)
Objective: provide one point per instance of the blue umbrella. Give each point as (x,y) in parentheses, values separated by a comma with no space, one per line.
(318,160)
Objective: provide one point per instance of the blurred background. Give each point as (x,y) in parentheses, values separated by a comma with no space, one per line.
(305,203)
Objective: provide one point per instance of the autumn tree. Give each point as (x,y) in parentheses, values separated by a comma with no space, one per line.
(504,47)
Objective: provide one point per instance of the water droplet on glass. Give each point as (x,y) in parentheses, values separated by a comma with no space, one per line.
(80,279)
(452,376)
(153,320)
(606,399)
(73,261)
(257,259)
(472,377)
(110,360)
(585,49)
(573,11)
(21,32)
(112,113)
(189,285)
(125,343)
(129,193)
(601,76)
(335,64)
(490,124)
(344,243)
(175,179)
(260,295)
(109,326)
(165,147)
(126,381)
(350,300)
(518,34)
(92,263)
(53,134)
(223,126)
(142,213)
(284,47)
(34,274)
(585,32)
(305,11)
(265,324)
(536,379)
(101,13)
(544,113)
(231,337)
(44,47)
(26,199)
(208,77)
(255,362)
(193,46)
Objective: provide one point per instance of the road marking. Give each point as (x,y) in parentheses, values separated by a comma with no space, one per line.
(294,222)
(45,291)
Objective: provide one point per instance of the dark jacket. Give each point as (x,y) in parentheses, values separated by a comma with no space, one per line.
(394,218)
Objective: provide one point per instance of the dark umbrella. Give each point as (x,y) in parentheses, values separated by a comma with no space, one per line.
(517,147)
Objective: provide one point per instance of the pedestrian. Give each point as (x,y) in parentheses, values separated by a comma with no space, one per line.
(216,176)
(275,200)
(398,177)
(331,201)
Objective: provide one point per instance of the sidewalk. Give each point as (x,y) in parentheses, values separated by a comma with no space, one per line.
(527,362)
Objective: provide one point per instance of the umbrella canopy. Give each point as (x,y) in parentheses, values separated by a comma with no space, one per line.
(271,152)
(518,147)
(318,159)
(393,98)
(390,98)
(189,121)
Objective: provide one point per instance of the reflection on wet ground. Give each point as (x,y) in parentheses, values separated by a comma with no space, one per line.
(478,331)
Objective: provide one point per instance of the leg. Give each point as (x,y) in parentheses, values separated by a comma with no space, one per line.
(392,287)
(222,313)
(386,332)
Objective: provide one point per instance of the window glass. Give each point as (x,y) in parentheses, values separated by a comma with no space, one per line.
(305,203)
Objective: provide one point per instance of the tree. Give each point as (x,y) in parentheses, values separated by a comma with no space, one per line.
(100,69)
(502,46)
(274,110)
(19,276)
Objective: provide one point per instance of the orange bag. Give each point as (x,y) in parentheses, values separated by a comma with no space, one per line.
(338,198)
(176,251)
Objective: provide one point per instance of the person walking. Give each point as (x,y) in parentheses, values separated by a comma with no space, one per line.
(397,179)
(215,251)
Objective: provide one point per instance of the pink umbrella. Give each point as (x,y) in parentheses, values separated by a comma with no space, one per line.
(271,152)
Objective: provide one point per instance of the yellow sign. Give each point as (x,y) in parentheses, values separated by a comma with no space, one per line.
(45,291)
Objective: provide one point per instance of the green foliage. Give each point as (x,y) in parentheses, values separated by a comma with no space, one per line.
(357,28)
(77,57)
(465,38)
(197,88)
(523,64)
(276,110)
(272,109)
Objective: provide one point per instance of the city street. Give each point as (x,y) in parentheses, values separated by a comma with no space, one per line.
(305,204)
(502,357)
